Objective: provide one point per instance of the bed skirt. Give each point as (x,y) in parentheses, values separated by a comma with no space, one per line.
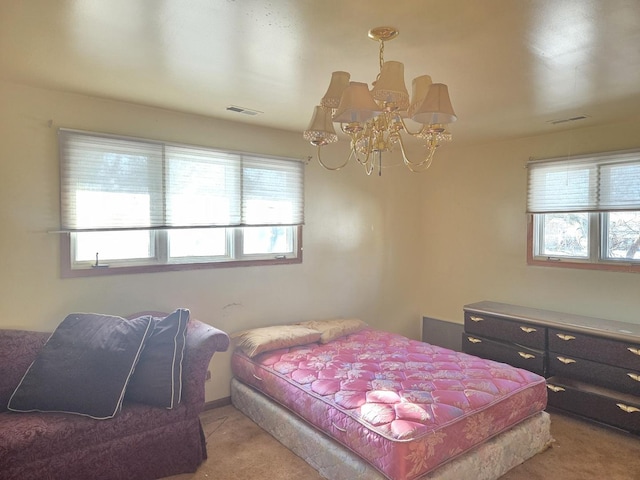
(487,461)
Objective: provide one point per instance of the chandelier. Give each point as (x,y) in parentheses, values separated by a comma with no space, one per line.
(374,119)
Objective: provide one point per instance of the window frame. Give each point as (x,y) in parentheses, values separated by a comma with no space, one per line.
(589,264)
(159,260)
(595,260)
(68,272)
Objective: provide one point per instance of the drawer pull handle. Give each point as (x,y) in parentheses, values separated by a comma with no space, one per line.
(564,337)
(555,388)
(627,408)
(634,376)
(528,329)
(635,351)
(566,360)
(476,319)
(256,377)
(526,356)
(474,340)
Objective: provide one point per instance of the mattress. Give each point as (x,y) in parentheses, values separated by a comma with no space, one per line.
(404,406)
(487,461)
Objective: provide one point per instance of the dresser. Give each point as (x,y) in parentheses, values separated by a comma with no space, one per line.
(592,365)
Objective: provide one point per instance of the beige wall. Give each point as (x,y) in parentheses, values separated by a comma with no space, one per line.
(474,203)
(387,250)
(361,238)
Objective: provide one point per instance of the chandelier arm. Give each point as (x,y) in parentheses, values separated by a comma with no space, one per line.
(333,169)
(419,166)
(368,168)
(367,163)
(354,141)
(404,126)
(354,153)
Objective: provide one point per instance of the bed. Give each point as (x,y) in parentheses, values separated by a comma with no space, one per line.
(361,403)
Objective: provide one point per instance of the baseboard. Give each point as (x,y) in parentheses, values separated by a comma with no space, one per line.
(220,402)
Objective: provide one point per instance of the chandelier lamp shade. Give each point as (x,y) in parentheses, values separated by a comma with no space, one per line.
(374,119)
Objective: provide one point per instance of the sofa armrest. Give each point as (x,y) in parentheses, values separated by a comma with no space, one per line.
(18,349)
(202,342)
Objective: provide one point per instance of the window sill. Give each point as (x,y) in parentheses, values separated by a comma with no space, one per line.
(67,272)
(610,267)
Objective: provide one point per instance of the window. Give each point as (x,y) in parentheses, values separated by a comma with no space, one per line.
(585,212)
(130,204)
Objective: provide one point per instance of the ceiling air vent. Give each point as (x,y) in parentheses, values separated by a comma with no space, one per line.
(246,111)
(565,120)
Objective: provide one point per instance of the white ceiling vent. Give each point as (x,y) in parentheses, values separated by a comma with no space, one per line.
(246,111)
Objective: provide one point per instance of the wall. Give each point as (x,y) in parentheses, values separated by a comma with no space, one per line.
(386,249)
(474,203)
(360,237)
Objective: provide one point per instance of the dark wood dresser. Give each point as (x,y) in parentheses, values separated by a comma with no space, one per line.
(592,365)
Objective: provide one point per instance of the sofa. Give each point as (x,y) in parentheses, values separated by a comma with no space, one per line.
(140,441)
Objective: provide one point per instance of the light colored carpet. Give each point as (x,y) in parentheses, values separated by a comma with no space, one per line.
(240,450)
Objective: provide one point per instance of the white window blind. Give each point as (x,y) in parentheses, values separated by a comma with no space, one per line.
(119,183)
(590,183)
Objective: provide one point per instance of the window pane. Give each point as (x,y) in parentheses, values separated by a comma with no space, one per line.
(272,191)
(132,206)
(101,175)
(203,187)
(561,186)
(564,235)
(266,211)
(200,242)
(622,235)
(620,186)
(276,240)
(125,245)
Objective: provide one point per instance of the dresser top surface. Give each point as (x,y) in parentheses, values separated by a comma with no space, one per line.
(577,323)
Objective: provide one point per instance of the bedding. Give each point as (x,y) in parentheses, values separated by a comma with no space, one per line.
(259,340)
(335,328)
(404,406)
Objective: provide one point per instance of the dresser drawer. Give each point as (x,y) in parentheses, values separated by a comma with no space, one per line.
(613,408)
(604,350)
(516,355)
(621,379)
(522,333)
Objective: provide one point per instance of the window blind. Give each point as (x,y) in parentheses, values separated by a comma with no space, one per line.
(120,183)
(590,183)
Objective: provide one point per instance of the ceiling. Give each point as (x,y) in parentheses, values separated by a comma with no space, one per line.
(512,67)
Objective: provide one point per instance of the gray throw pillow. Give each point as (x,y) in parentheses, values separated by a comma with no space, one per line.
(84,367)
(157,379)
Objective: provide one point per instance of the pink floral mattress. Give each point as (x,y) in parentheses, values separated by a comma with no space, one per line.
(405,406)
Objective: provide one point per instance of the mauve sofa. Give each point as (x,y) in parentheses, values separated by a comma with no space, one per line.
(140,442)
